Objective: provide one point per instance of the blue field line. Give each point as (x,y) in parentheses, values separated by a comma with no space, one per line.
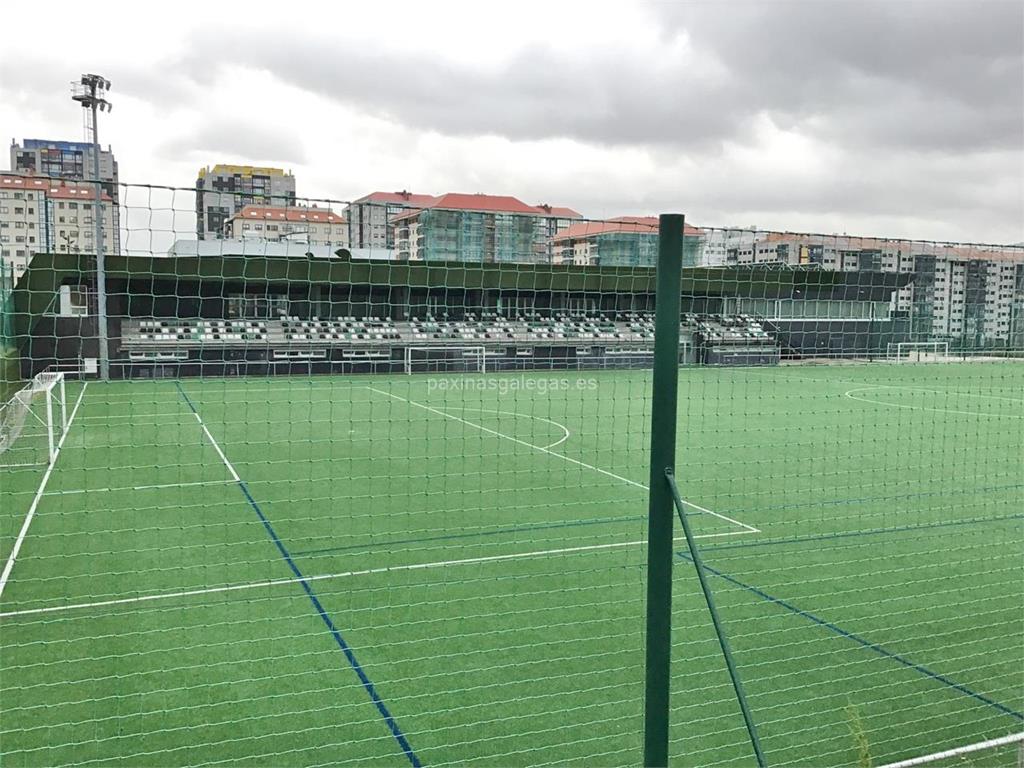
(638,518)
(454,536)
(872,646)
(887,497)
(853,534)
(371,689)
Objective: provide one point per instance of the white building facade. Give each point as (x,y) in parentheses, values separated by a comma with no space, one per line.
(71,162)
(311,225)
(47,215)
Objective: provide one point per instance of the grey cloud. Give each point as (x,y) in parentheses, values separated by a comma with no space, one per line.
(242,138)
(921,75)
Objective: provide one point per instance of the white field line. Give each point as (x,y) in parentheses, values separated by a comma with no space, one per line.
(566,434)
(549,452)
(216,447)
(283,392)
(9,565)
(850,394)
(136,487)
(951,394)
(783,375)
(991,743)
(136,416)
(346,574)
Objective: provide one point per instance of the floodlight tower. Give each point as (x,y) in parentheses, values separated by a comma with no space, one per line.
(91,92)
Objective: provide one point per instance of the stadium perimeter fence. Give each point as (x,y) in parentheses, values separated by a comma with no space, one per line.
(451,485)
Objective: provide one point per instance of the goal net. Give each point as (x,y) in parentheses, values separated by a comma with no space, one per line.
(32,421)
(918,351)
(445,359)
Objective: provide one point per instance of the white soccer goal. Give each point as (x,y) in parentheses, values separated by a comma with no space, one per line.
(422,354)
(1011,743)
(33,420)
(918,351)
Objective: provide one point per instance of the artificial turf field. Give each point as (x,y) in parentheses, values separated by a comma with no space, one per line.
(449,569)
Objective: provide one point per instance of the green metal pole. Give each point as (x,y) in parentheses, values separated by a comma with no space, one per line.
(723,639)
(660,513)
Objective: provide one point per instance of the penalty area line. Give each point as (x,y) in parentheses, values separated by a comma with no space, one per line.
(74,491)
(344,575)
(547,450)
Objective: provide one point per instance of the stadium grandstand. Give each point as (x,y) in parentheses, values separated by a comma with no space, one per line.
(234,315)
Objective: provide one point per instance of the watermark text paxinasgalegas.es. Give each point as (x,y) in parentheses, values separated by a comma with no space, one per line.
(504,385)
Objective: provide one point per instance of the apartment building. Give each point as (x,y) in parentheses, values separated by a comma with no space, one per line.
(369,218)
(301,224)
(71,219)
(49,215)
(478,228)
(968,296)
(22,222)
(718,243)
(625,241)
(224,190)
(71,161)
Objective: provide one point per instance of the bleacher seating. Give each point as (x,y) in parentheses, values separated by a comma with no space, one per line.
(172,331)
(624,334)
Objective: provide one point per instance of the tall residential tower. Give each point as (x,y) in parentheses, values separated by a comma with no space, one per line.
(224,190)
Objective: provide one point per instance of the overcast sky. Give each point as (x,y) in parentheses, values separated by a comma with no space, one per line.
(895,118)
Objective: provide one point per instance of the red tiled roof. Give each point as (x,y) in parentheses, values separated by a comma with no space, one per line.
(558,213)
(397,198)
(291,213)
(76,193)
(492,203)
(23,182)
(409,214)
(52,187)
(643,225)
(458,201)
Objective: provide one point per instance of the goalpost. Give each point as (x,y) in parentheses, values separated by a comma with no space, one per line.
(476,354)
(33,420)
(917,351)
(958,752)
